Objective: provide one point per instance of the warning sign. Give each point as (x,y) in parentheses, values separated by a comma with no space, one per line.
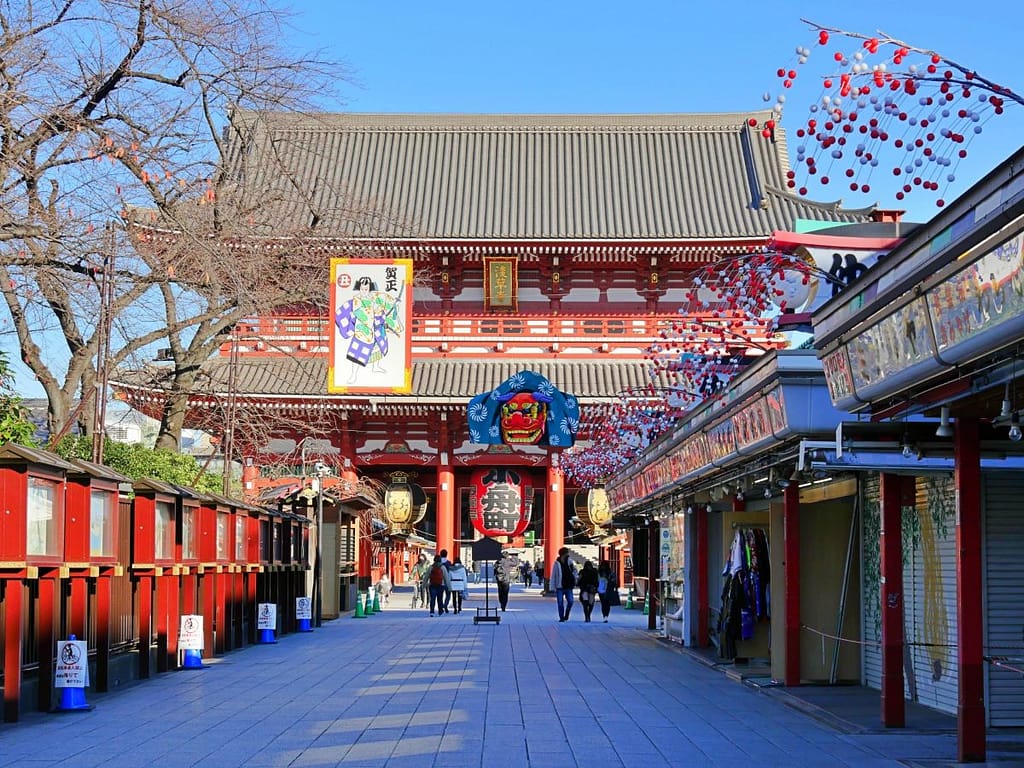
(72,664)
(303,608)
(190,633)
(266,617)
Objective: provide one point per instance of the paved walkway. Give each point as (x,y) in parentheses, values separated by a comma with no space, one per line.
(402,689)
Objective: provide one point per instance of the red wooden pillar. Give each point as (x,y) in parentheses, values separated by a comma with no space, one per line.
(13,598)
(144,591)
(79,590)
(969,597)
(222,619)
(206,584)
(554,515)
(891,566)
(173,621)
(103,619)
(250,604)
(163,614)
(653,572)
(791,580)
(446,509)
(703,596)
(46,643)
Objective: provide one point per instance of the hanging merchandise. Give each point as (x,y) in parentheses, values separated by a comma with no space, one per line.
(745,593)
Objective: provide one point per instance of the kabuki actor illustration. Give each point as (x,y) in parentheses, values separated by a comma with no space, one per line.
(371,344)
(525,409)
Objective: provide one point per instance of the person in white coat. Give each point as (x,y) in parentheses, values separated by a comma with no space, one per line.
(459,578)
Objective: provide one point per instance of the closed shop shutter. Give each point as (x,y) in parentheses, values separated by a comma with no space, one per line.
(929,591)
(871,618)
(929,579)
(1004,595)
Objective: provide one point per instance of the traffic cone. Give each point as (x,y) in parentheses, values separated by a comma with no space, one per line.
(376,602)
(267,637)
(359,614)
(368,608)
(72,699)
(629,601)
(193,659)
(647,604)
(304,625)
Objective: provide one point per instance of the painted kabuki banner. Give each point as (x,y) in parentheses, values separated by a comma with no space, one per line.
(525,409)
(371,339)
(501,502)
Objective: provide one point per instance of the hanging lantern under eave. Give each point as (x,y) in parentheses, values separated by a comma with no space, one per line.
(405,503)
(599,509)
(501,502)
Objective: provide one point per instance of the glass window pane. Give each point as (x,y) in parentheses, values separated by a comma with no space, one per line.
(188,538)
(240,538)
(222,536)
(42,517)
(164,530)
(101,524)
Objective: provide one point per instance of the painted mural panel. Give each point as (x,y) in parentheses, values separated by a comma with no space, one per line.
(371,341)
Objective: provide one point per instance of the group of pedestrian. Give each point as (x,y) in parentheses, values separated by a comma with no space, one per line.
(594,584)
(441,585)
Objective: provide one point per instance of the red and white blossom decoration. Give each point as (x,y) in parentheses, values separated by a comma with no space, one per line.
(910,110)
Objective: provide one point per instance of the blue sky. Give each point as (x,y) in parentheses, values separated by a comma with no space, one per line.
(569,56)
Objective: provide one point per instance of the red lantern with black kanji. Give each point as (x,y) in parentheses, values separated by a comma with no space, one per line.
(501,502)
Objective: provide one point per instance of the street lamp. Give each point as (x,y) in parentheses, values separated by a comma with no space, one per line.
(318,569)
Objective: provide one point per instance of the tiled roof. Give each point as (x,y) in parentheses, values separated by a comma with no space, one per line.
(544,177)
(446,380)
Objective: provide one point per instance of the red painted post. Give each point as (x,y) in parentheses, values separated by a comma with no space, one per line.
(446,511)
(891,588)
(791,579)
(104,590)
(144,590)
(653,572)
(13,598)
(703,591)
(46,644)
(969,596)
(79,590)
(554,516)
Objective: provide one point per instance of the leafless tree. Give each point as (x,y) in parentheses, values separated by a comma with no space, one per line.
(120,230)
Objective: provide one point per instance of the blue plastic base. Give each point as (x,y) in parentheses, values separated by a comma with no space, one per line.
(304,625)
(193,660)
(72,700)
(267,636)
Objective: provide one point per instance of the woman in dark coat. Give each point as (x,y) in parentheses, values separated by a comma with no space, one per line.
(607,589)
(587,583)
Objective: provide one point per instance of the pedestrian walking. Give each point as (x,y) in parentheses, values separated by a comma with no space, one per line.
(458,576)
(384,587)
(588,584)
(447,590)
(607,588)
(420,593)
(527,574)
(563,581)
(538,572)
(501,577)
(437,582)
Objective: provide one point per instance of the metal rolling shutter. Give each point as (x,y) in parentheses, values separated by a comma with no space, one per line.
(871,610)
(1004,595)
(929,579)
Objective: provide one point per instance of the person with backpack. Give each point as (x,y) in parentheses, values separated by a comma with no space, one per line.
(448,590)
(437,582)
(563,581)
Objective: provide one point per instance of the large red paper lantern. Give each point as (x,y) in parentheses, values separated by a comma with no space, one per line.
(501,502)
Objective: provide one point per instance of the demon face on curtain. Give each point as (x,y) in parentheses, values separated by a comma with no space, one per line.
(525,409)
